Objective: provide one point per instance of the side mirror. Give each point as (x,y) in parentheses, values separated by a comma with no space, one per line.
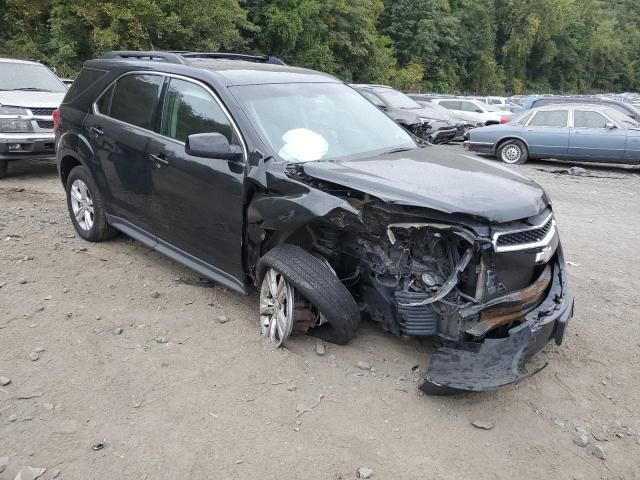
(212,145)
(478,110)
(610,126)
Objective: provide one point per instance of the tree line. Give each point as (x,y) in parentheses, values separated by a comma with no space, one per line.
(465,46)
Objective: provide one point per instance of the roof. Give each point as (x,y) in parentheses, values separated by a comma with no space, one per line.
(230,69)
(15,60)
(585,106)
(240,72)
(371,86)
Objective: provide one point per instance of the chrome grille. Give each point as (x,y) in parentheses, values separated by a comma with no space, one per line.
(533,237)
(46,112)
(528,236)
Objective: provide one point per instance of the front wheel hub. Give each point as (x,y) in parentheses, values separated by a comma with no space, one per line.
(276,307)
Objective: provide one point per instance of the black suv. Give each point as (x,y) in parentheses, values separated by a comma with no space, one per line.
(259,175)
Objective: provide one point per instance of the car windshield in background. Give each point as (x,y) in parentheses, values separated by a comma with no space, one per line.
(29,77)
(397,99)
(305,122)
(623,119)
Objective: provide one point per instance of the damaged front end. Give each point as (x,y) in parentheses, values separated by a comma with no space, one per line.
(495,293)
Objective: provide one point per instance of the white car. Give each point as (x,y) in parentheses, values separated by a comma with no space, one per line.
(473,110)
(29,93)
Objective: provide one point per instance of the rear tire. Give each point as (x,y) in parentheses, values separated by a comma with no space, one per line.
(513,152)
(86,207)
(319,285)
(4,167)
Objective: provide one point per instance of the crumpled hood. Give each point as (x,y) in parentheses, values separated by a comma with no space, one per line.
(440,179)
(28,99)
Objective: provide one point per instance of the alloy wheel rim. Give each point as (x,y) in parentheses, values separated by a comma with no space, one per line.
(276,307)
(511,154)
(82,205)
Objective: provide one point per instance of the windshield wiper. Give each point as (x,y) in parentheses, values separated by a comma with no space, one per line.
(396,150)
(29,89)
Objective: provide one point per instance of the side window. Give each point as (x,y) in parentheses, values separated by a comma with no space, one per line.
(584,119)
(135,99)
(451,104)
(524,120)
(104,102)
(189,109)
(469,107)
(372,98)
(553,118)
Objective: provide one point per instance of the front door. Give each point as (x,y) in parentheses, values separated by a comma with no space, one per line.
(201,198)
(547,133)
(591,140)
(120,130)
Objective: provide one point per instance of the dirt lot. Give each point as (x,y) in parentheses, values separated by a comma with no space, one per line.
(216,401)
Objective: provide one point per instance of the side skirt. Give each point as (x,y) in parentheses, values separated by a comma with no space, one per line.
(178,255)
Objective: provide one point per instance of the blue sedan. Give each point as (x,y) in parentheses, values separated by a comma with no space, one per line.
(564,132)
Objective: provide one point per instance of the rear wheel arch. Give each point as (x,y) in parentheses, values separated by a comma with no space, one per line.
(502,141)
(67,163)
(512,147)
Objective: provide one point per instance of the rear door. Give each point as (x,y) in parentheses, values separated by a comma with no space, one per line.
(591,140)
(201,198)
(547,133)
(120,129)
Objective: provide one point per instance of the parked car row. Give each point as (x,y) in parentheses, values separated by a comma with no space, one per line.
(430,124)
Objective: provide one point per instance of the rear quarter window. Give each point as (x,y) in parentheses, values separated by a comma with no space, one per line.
(86,78)
(135,99)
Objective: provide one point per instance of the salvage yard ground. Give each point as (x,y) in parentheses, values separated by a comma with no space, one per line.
(103,345)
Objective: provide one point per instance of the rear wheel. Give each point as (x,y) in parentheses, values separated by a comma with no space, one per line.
(86,207)
(299,291)
(513,152)
(4,166)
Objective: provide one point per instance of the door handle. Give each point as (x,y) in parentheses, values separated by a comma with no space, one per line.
(531,129)
(158,160)
(97,131)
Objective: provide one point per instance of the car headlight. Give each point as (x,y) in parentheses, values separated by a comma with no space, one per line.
(17,111)
(15,125)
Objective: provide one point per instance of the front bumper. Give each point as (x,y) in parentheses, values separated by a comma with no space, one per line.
(15,146)
(487,148)
(468,366)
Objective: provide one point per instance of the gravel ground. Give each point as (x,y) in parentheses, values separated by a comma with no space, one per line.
(103,347)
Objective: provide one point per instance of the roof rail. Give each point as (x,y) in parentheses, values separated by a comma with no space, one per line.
(234,56)
(167,57)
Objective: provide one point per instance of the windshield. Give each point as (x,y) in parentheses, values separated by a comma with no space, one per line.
(622,119)
(29,77)
(397,99)
(304,122)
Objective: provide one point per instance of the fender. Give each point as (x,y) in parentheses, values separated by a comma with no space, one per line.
(74,145)
(509,137)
